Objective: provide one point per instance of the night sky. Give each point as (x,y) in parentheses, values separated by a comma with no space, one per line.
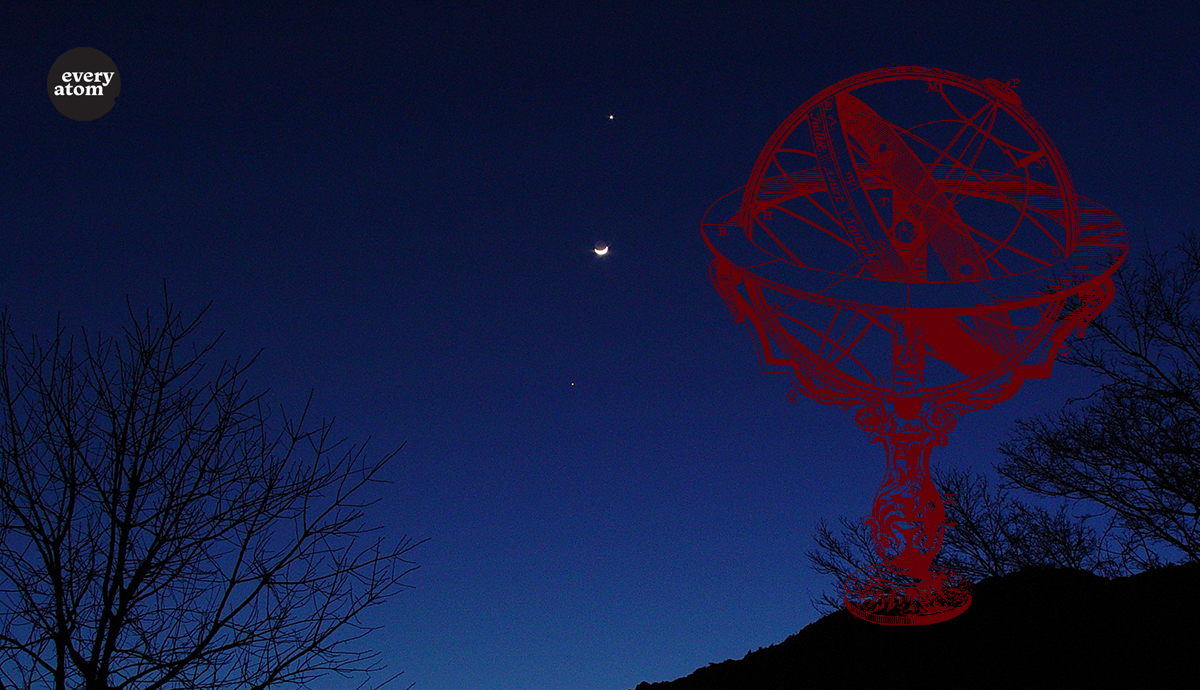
(397,203)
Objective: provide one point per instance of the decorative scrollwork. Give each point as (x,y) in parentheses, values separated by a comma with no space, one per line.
(725,278)
(871,419)
(1094,302)
(942,420)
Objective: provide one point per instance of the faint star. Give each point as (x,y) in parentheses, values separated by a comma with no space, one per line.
(612,117)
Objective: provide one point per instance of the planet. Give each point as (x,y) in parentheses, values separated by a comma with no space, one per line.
(601,248)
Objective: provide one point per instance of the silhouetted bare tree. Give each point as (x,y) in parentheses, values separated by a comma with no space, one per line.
(994,534)
(1134,447)
(155,534)
(839,555)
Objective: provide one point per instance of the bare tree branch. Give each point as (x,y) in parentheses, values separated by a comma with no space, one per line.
(1133,448)
(155,534)
(994,534)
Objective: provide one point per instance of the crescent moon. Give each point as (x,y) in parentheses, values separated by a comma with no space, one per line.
(601,249)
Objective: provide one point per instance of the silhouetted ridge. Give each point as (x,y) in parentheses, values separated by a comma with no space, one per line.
(1041,627)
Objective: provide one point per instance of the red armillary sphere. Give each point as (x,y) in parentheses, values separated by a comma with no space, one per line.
(909,246)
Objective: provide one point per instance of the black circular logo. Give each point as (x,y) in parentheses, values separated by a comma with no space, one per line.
(83,84)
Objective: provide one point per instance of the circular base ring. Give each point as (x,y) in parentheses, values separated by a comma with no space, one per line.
(878,594)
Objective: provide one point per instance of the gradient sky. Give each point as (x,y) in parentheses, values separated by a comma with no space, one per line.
(397,202)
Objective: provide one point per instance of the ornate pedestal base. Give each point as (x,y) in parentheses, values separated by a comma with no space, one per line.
(879,595)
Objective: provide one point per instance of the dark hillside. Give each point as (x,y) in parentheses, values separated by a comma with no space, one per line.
(1036,628)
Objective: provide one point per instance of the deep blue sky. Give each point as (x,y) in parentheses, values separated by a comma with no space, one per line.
(397,202)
